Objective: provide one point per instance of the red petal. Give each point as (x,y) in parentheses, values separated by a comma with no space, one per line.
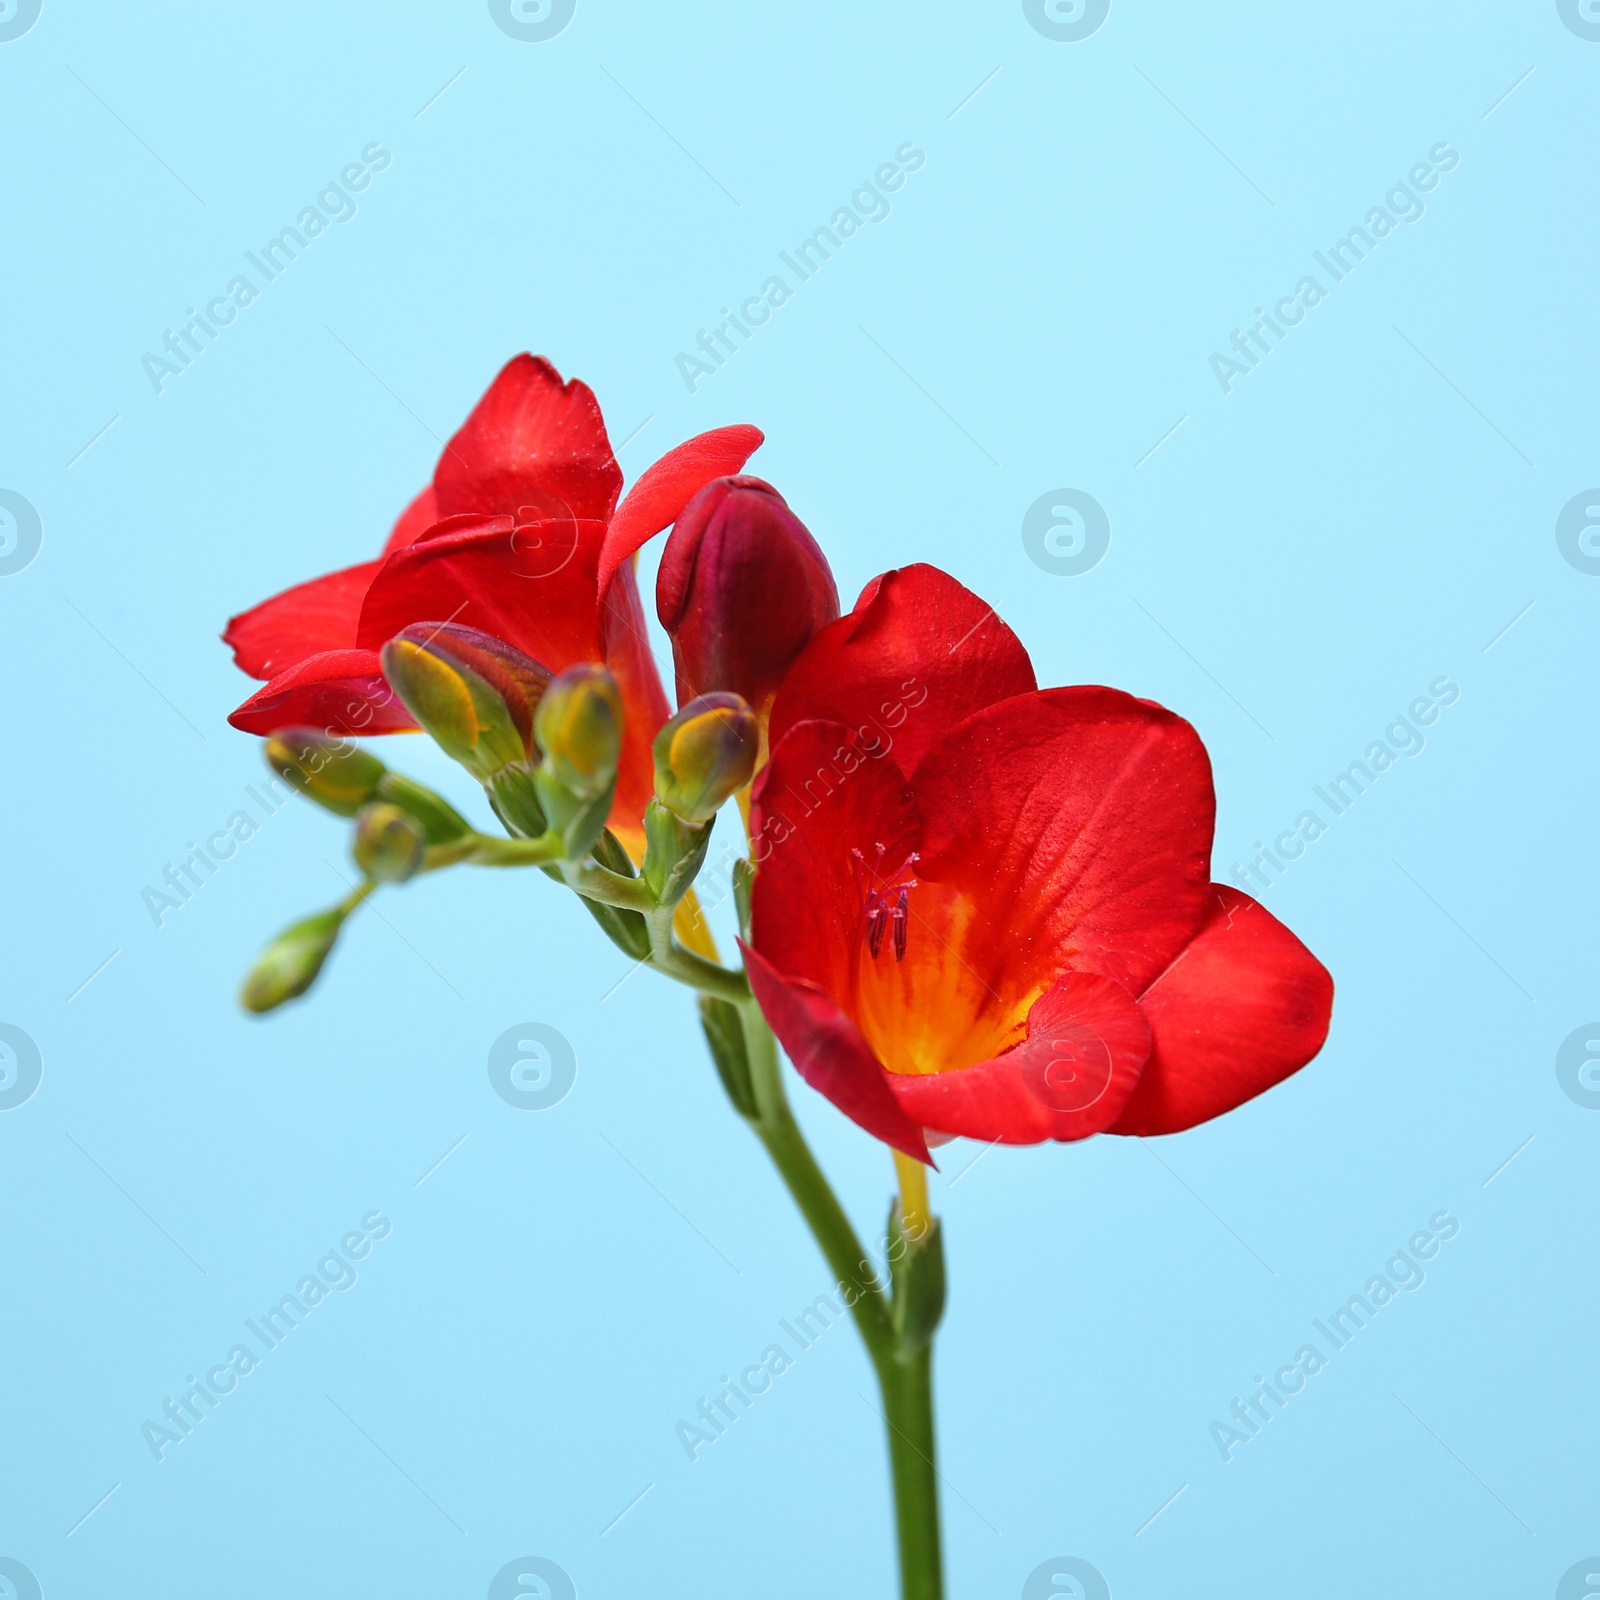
(531,585)
(1078,822)
(1070,1078)
(917,655)
(829,1053)
(816,800)
(1243,1006)
(667,486)
(532,440)
(300,622)
(414,521)
(644,705)
(339,691)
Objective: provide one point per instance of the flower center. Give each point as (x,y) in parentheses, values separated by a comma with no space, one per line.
(885,900)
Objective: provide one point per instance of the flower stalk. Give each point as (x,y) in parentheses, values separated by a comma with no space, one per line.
(896,1327)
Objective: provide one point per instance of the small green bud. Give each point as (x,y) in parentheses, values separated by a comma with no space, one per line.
(916,1272)
(440,821)
(473,693)
(579,729)
(705,754)
(389,842)
(290,964)
(338,775)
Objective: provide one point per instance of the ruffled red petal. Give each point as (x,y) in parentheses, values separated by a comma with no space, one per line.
(530,584)
(1070,1077)
(1078,823)
(413,522)
(818,799)
(302,621)
(1243,1006)
(668,485)
(531,441)
(644,705)
(829,1053)
(918,655)
(338,692)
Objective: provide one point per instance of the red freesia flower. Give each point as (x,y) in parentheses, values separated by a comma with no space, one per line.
(986,909)
(520,536)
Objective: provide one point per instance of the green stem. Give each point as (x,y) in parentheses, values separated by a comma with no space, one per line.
(595,882)
(905,1372)
(776,1128)
(669,957)
(907,1387)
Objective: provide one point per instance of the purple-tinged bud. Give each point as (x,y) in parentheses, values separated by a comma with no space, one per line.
(475,694)
(579,729)
(742,588)
(705,754)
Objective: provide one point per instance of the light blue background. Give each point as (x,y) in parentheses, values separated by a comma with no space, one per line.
(1299,560)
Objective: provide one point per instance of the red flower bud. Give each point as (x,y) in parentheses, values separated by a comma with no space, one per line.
(742,588)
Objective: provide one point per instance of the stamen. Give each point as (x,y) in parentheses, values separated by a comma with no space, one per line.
(884,904)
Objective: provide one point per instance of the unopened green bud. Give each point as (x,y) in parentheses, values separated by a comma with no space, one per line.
(338,775)
(439,820)
(705,754)
(389,842)
(579,728)
(473,693)
(290,964)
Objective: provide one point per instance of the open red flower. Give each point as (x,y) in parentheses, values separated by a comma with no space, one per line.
(983,908)
(511,538)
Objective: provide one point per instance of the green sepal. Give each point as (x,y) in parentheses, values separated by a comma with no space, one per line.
(627,930)
(724,1031)
(580,819)
(744,877)
(916,1273)
(515,800)
(675,851)
(439,820)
